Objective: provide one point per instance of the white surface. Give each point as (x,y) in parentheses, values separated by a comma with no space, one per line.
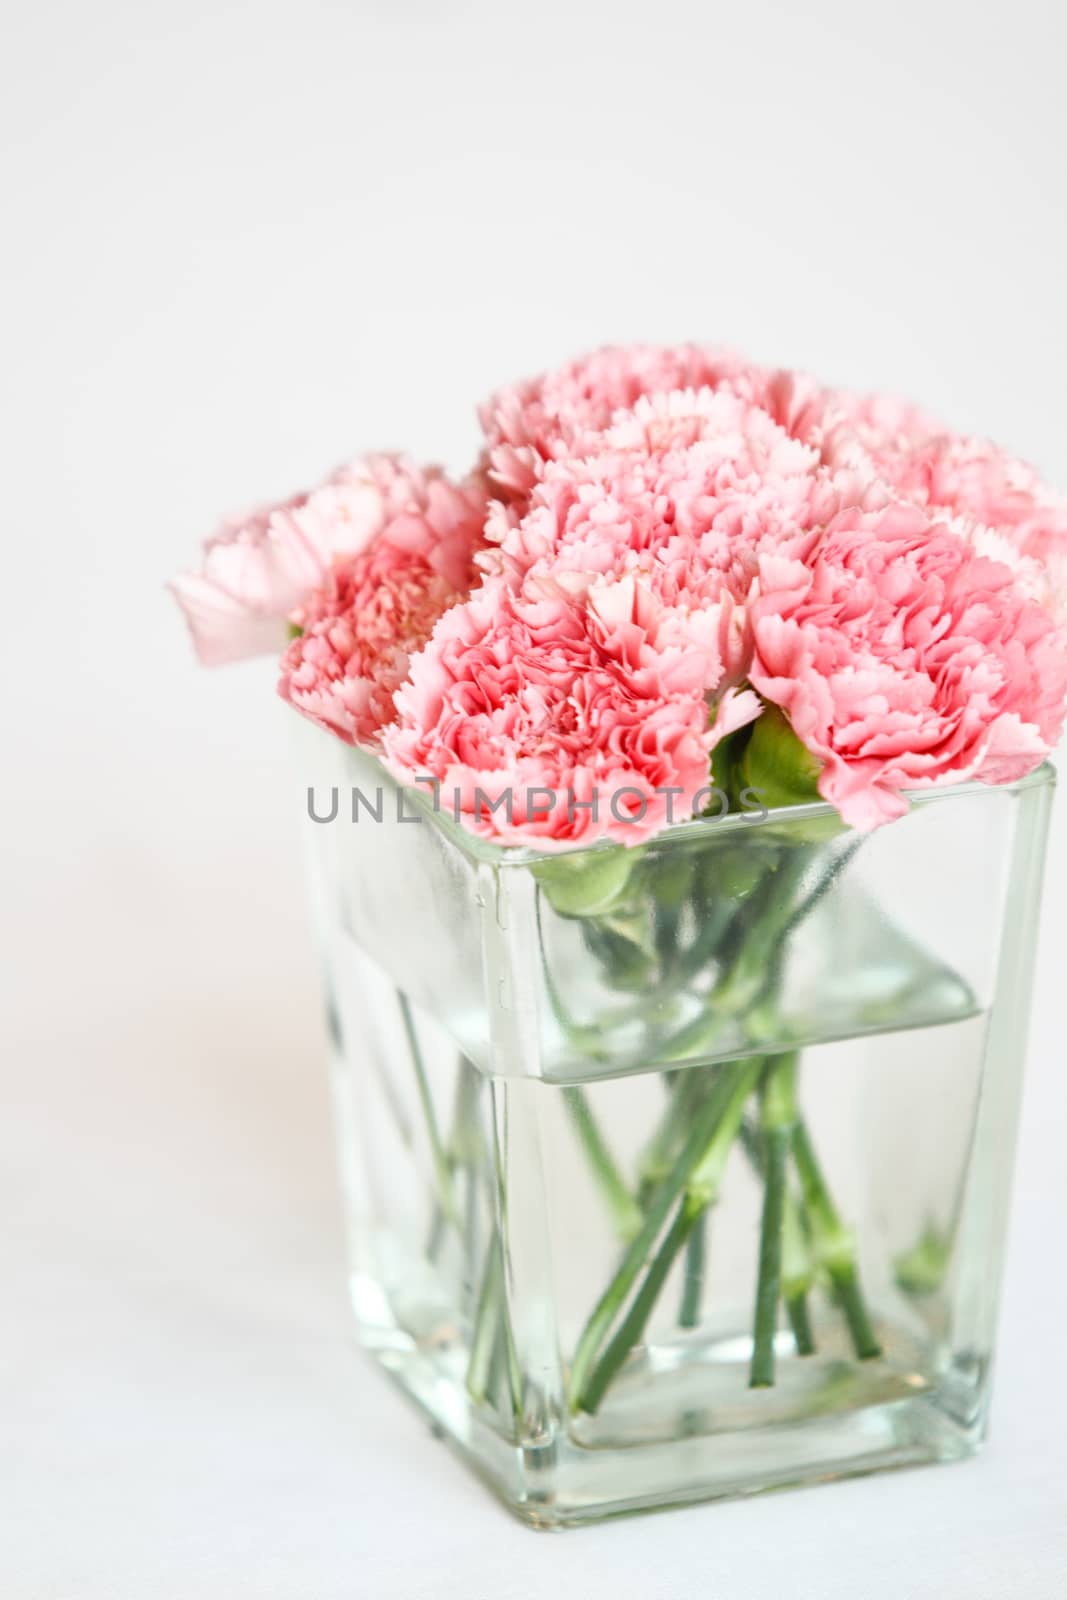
(243,241)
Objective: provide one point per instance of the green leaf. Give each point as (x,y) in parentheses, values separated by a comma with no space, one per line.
(589,883)
(923,1268)
(726,764)
(775,763)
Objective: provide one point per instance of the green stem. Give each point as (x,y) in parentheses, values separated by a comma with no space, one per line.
(798,1276)
(462,1152)
(796,1306)
(756,938)
(762,930)
(770,1260)
(686,1088)
(698,1171)
(777,1120)
(633,1324)
(714,922)
(486,1327)
(441,1166)
(625,1211)
(511,1355)
(845,1280)
(496,1368)
(693,1291)
(833,1244)
(584,1039)
(798,1264)
(769,915)
(492,1342)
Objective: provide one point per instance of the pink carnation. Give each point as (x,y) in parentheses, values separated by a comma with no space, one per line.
(686,490)
(653,528)
(974,478)
(919,460)
(547,703)
(378,608)
(254,570)
(261,566)
(547,418)
(905,658)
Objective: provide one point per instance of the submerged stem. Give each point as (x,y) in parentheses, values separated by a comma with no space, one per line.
(633,1324)
(625,1211)
(698,1172)
(486,1327)
(833,1244)
(770,1259)
(693,1289)
(492,1342)
(777,1121)
(685,1088)
(442,1167)
(463,1152)
(798,1263)
(796,1307)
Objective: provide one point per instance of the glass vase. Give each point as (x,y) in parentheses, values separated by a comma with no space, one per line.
(681,1170)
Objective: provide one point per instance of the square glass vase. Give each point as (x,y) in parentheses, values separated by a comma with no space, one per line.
(679,1170)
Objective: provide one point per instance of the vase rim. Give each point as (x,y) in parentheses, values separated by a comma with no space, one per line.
(499,855)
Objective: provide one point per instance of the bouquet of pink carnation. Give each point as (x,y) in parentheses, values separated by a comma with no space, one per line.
(664,559)
(673,585)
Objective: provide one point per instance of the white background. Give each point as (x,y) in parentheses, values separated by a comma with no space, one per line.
(241,242)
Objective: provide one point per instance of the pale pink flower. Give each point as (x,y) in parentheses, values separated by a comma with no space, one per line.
(886,427)
(737,429)
(377,608)
(926,463)
(253,571)
(573,713)
(975,478)
(547,418)
(261,566)
(686,490)
(904,657)
(918,459)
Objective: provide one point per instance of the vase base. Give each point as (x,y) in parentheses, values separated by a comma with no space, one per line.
(570,1471)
